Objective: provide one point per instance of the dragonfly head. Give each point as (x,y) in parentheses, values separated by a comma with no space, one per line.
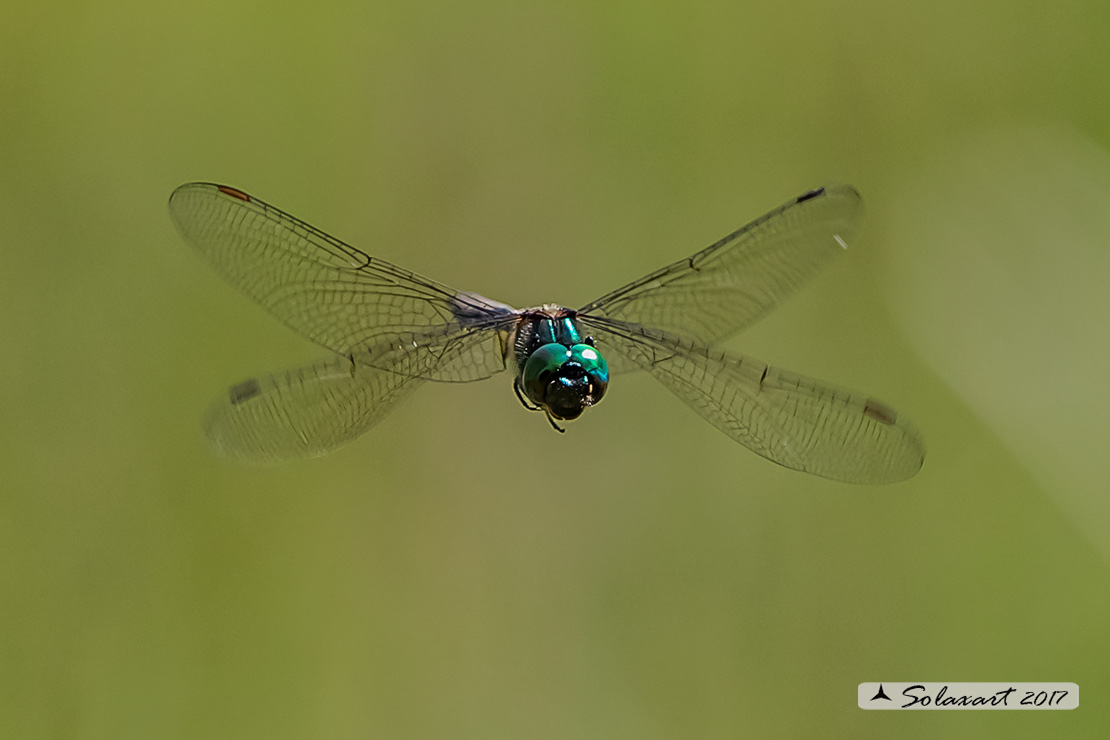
(563,380)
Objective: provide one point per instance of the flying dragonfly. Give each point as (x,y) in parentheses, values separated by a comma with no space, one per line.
(391,329)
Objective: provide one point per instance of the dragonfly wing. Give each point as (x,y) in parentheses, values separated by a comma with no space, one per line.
(312,410)
(328,291)
(795,421)
(729,285)
(458,352)
(304,412)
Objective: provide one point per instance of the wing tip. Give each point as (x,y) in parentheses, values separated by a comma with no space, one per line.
(831,190)
(210,187)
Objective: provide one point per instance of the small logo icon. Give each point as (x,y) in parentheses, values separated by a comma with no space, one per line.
(881,695)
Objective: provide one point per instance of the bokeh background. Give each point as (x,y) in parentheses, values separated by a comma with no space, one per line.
(462,571)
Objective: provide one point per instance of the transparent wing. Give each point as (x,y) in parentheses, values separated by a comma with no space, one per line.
(458,352)
(312,410)
(305,412)
(326,290)
(795,421)
(729,285)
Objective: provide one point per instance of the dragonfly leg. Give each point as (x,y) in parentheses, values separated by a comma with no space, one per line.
(524,401)
(532,407)
(551,421)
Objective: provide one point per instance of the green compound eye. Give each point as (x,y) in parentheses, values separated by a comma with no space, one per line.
(592,361)
(541,367)
(565,381)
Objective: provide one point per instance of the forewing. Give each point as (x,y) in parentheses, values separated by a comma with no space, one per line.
(304,412)
(729,285)
(326,290)
(795,421)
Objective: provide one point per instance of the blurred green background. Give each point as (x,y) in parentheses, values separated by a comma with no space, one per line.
(462,571)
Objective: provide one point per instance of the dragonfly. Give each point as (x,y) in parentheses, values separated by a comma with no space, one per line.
(389,330)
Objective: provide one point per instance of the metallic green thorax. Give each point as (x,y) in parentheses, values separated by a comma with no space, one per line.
(560,372)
